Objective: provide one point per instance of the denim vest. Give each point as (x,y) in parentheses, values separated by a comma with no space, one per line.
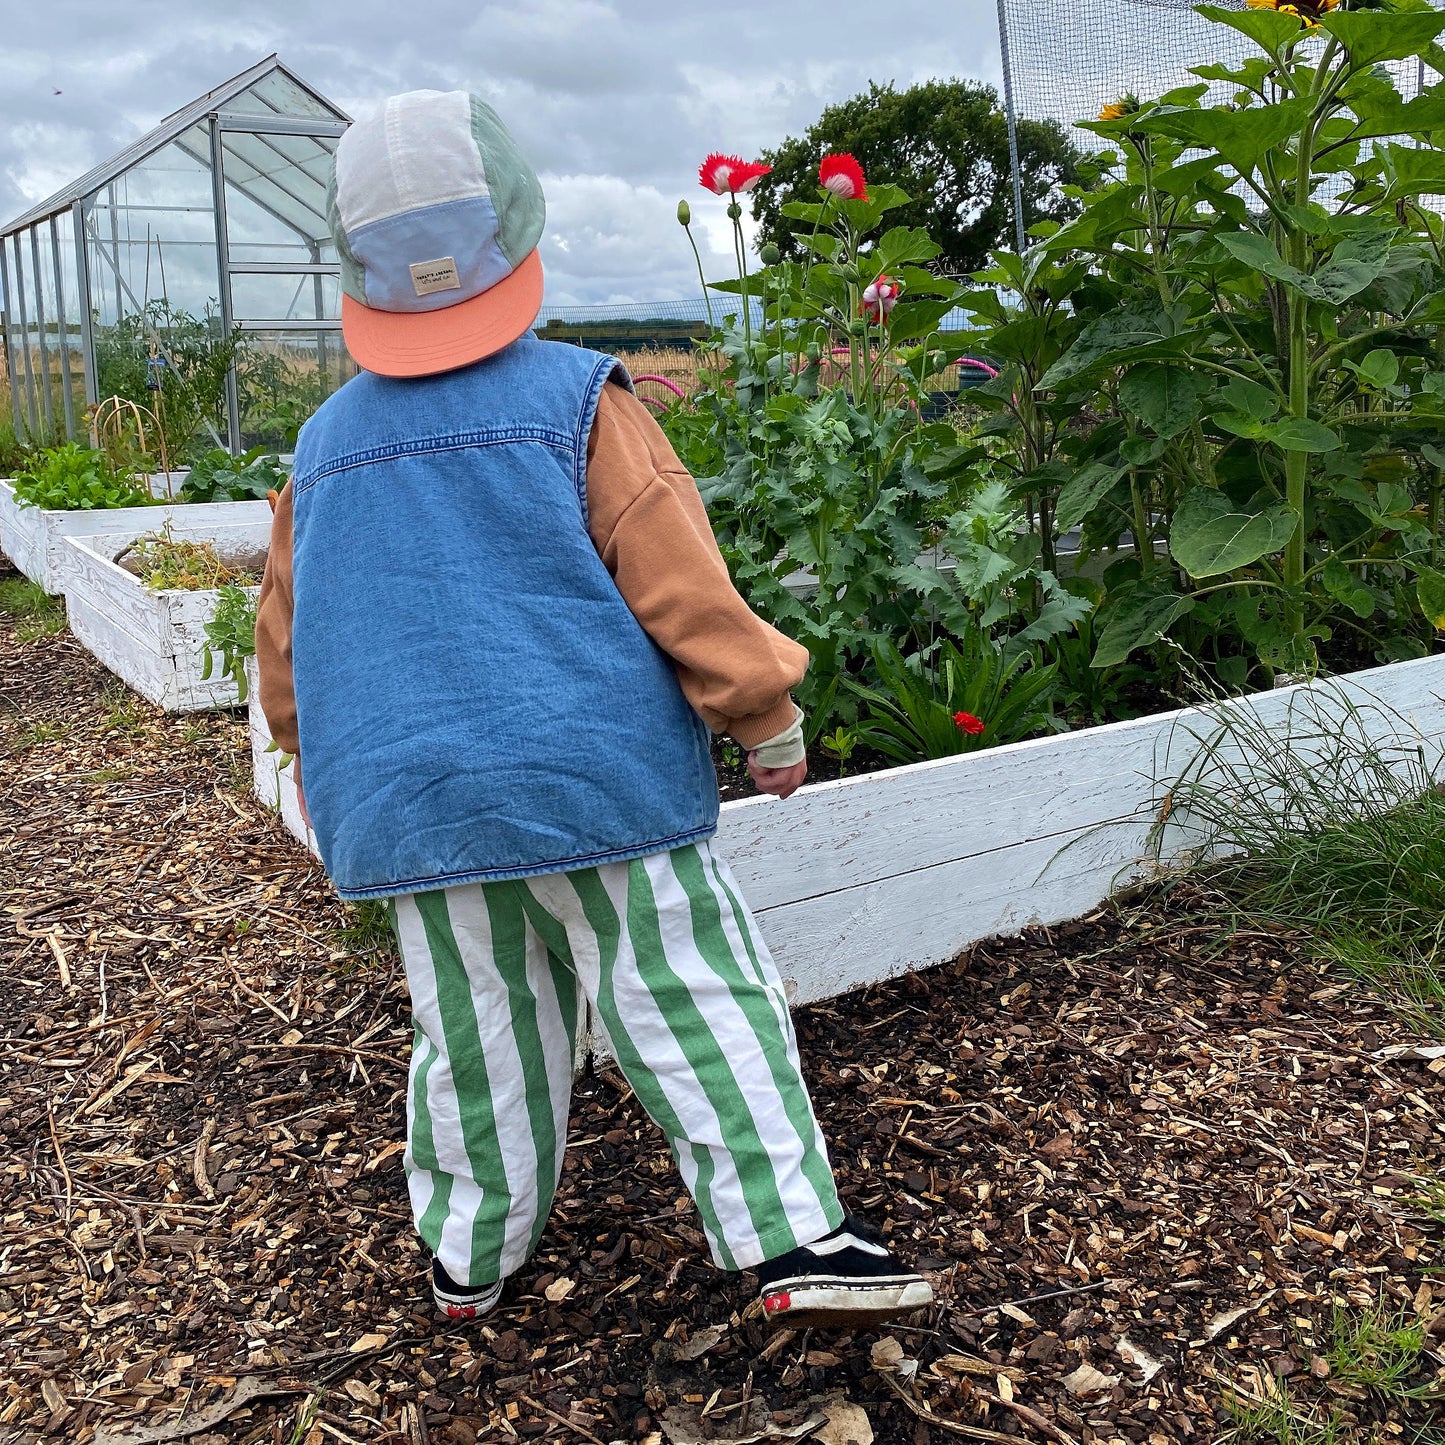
(475,700)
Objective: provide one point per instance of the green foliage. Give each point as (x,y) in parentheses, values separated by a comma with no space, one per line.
(277,398)
(76,478)
(217,476)
(13,452)
(167,563)
(840,745)
(230,637)
(965,698)
(36,613)
(1239,353)
(366,938)
(172,363)
(945,142)
(844,518)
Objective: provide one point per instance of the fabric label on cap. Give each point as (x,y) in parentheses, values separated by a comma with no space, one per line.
(438,275)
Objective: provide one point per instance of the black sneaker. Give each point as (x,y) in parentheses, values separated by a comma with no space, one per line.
(462,1301)
(846,1278)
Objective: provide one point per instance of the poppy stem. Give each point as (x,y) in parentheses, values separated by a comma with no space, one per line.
(706,298)
(740,247)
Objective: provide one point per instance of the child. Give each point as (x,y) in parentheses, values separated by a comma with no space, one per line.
(496,630)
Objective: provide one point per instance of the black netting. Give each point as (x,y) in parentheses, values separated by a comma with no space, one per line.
(1066,61)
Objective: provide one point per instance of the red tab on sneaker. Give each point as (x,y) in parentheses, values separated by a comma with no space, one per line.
(774,1302)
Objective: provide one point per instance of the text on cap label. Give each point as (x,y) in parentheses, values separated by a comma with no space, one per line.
(438,275)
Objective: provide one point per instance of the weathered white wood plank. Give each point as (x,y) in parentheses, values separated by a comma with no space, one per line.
(858,880)
(840,834)
(34,540)
(152,641)
(273,784)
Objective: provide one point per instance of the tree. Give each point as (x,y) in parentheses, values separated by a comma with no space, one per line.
(945,142)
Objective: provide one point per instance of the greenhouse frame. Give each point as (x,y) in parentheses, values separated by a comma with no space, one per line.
(210,228)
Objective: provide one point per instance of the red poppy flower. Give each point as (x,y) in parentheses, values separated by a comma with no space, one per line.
(842,175)
(967,723)
(730,175)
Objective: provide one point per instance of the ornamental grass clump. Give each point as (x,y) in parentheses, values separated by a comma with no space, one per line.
(1332,828)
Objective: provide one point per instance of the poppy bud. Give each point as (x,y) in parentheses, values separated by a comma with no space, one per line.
(734,210)
(859,328)
(684,214)
(769,255)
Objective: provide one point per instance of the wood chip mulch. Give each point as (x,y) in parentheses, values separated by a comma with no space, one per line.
(1141,1164)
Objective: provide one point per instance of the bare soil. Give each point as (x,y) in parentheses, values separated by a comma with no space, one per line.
(1129,1144)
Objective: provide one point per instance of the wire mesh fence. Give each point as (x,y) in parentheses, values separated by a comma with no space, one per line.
(1066,61)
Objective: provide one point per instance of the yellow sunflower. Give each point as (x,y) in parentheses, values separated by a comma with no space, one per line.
(1307,12)
(1126,104)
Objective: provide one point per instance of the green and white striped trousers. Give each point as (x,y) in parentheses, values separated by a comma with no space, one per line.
(667,953)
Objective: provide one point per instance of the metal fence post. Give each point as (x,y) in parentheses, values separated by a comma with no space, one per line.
(1013,135)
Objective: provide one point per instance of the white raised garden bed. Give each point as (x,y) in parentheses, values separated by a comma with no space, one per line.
(274,780)
(34,539)
(153,640)
(864,878)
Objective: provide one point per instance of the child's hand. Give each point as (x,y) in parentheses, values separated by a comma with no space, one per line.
(780,782)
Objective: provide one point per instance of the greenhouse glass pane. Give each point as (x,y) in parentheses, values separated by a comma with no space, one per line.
(72,353)
(157,226)
(275,94)
(12,394)
(49,379)
(285,296)
(27,359)
(276,196)
(283,377)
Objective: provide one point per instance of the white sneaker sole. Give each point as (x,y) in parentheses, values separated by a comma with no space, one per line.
(843,1302)
(468,1306)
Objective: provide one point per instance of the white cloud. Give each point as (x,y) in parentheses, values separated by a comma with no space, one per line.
(614,101)
(610,240)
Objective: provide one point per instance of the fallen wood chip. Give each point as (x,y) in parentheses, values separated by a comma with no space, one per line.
(1225,1318)
(844,1423)
(684,1425)
(1086,1380)
(198,1161)
(674,1352)
(945,1365)
(1141,1358)
(250,1388)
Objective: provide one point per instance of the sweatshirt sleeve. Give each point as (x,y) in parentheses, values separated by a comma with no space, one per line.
(651,530)
(273,632)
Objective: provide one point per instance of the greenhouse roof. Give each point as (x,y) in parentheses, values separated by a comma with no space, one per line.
(266,93)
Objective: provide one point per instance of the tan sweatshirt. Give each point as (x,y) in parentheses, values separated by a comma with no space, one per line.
(651,530)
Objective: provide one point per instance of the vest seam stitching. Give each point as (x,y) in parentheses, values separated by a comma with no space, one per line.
(456,441)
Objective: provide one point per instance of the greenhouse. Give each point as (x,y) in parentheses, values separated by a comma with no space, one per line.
(194,269)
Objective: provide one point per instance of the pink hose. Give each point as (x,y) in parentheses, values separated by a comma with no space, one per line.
(672,386)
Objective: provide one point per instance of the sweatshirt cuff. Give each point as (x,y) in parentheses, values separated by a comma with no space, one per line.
(756,728)
(785,749)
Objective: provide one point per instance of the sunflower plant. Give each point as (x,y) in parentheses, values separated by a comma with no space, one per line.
(1247,378)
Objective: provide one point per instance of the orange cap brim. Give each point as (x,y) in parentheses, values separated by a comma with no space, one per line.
(421,343)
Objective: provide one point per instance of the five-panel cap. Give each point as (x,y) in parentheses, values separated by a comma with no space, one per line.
(436,217)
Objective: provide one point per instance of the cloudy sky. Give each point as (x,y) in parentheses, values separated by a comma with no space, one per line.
(614,103)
